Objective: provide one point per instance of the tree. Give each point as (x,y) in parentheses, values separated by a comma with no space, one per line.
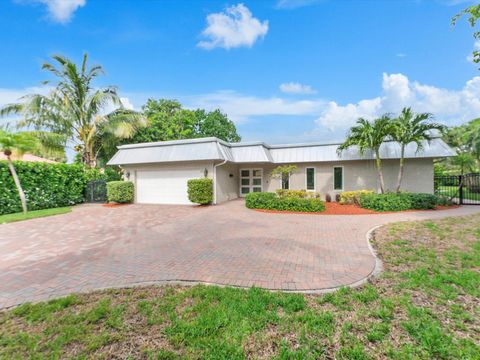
(283,172)
(466,140)
(368,135)
(20,143)
(473,14)
(412,128)
(76,110)
(215,123)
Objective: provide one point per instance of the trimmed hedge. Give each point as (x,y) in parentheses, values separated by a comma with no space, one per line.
(45,186)
(353,197)
(200,191)
(399,202)
(270,201)
(120,191)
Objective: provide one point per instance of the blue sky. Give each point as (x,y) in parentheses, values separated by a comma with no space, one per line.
(283,70)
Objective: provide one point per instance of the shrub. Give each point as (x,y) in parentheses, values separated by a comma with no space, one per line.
(444,200)
(399,202)
(45,186)
(286,193)
(385,202)
(270,201)
(120,191)
(353,197)
(200,191)
(108,174)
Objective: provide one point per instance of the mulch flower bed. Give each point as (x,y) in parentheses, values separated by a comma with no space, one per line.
(333,208)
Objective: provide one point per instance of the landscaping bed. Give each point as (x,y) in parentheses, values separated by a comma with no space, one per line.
(424,305)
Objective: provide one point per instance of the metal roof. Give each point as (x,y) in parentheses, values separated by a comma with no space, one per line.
(250,152)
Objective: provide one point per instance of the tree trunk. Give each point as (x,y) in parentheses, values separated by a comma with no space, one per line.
(380,172)
(400,170)
(17,184)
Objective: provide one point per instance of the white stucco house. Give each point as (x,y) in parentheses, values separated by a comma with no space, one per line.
(160,170)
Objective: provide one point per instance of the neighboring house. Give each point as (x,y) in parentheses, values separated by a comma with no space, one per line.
(29,158)
(160,170)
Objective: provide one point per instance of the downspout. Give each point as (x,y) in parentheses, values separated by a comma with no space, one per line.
(215,174)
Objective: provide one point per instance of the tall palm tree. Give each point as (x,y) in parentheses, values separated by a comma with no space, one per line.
(77,110)
(20,143)
(368,135)
(410,127)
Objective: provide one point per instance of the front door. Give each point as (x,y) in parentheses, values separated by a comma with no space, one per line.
(250,181)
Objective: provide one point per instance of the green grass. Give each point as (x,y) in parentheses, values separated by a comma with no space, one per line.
(33,214)
(425,305)
(452,191)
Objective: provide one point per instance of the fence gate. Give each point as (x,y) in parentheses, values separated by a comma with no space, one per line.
(461,189)
(96,191)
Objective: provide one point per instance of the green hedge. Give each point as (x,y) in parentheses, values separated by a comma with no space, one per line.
(398,202)
(120,191)
(270,201)
(45,186)
(200,191)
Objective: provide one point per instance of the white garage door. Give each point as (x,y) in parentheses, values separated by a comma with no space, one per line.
(164,186)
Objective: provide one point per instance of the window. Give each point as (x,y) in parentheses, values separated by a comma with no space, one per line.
(310,178)
(338,178)
(286,181)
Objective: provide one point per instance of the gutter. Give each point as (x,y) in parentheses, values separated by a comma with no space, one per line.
(215,174)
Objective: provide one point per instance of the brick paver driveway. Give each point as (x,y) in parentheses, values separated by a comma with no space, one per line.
(96,247)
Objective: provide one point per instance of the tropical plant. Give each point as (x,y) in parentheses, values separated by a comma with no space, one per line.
(18,143)
(466,140)
(367,136)
(76,110)
(473,14)
(410,127)
(283,172)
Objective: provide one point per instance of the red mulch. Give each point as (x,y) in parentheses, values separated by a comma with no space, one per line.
(333,208)
(112,205)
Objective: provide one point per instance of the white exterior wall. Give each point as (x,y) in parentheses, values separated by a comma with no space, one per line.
(227,186)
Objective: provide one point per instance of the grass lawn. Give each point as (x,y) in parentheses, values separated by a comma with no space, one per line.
(426,305)
(33,214)
(452,191)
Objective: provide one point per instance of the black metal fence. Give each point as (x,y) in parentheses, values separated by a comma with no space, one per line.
(96,191)
(461,189)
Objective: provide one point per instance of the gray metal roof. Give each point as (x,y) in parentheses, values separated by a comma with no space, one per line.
(215,149)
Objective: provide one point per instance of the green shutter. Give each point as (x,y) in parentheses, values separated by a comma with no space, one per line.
(338,178)
(310,179)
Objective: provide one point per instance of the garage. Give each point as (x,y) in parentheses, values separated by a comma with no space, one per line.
(164,186)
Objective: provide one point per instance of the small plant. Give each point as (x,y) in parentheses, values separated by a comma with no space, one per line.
(200,191)
(328,198)
(353,197)
(120,191)
(283,172)
(284,193)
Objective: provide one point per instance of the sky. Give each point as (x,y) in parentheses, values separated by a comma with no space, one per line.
(284,71)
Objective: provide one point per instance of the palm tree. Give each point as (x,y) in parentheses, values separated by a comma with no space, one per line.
(77,110)
(368,135)
(18,143)
(408,128)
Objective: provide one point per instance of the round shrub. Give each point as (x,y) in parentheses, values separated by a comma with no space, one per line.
(200,191)
(353,197)
(120,191)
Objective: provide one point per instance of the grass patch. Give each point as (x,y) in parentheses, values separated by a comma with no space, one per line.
(424,305)
(33,214)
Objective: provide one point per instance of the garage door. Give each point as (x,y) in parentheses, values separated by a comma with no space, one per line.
(164,186)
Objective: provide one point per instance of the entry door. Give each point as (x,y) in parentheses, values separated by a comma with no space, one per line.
(250,181)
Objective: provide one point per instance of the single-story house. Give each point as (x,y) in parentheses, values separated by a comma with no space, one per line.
(160,170)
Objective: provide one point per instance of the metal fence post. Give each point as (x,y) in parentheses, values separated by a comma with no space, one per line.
(460,191)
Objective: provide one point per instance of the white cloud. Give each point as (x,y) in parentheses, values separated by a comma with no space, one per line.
(240,107)
(235,27)
(296,88)
(476,47)
(448,106)
(126,103)
(401,55)
(59,10)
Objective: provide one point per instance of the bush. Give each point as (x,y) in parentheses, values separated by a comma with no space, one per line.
(200,191)
(108,174)
(120,191)
(385,202)
(270,201)
(45,186)
(353,197)
(286,193)
(399,202)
